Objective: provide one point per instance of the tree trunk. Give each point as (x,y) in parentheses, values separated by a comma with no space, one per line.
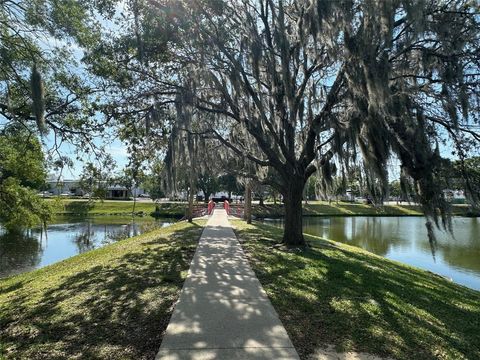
(293,231)
(206,196)
(247,213)
(260,202)
(190,203)
(134,201)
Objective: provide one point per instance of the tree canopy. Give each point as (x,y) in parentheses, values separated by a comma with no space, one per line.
(47,99)
(318,86)
(287,88)
(44,85)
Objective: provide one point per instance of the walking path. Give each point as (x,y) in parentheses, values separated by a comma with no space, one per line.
(223,311)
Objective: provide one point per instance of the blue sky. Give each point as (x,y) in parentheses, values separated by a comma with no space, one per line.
(114,147)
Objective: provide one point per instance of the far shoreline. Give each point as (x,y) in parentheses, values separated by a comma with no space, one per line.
(80,208)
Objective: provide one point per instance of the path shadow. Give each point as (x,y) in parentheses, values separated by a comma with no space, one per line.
(223,311)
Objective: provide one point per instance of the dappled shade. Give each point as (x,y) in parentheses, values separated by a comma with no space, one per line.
(113,302)
(340,295)
(223,312)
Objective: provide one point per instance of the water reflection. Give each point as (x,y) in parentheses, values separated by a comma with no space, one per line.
(405,239)
(27,258)
(374,234)
(21,252)
(83,239)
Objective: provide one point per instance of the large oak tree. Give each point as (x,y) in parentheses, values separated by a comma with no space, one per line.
(311,83)
(300,87)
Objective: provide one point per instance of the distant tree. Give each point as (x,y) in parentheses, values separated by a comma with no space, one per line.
(471,180)
(395,189)
(95,179)
(22,174)
(273,194)
(259,191)
(310,189)
(131,177)
(228,182)
(153,181)
(208,184)
(463,174)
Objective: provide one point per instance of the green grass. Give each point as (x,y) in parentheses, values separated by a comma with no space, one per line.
(335,294)
(111,303)
(111,207)
(84,208)
(323,208)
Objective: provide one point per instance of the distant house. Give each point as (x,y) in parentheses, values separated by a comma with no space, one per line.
(64,187)
(119,192)
(72,188)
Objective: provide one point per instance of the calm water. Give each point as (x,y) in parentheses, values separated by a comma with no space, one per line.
(35,249)
(405,239)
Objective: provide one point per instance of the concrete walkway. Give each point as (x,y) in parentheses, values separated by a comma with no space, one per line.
(223,311)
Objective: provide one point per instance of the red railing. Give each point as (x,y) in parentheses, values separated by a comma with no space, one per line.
(211,206)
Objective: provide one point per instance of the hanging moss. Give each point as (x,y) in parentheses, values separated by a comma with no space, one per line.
(375,78)
(38,99)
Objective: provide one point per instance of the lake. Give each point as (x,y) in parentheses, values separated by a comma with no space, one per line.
(34,249)
(405,239)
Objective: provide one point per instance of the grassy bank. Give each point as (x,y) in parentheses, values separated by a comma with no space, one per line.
(110,303)
(334,294)
(67,207)
(323,208)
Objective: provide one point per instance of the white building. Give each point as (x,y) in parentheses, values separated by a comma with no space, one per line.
(72,188)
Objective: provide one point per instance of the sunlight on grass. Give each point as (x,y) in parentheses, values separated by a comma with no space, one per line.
(109,207)
(116,300)
(324,208)
(335,294)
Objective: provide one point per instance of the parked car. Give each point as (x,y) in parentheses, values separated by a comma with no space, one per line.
(144,196)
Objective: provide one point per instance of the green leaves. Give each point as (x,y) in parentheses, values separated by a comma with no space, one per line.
(21,207)
(22,173)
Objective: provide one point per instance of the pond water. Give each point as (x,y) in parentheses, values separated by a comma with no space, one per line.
(405,239)
(34,249)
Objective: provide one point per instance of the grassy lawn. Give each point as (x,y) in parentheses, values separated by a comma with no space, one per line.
(111,303)
(323,208)
(335,294)
(111,207)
